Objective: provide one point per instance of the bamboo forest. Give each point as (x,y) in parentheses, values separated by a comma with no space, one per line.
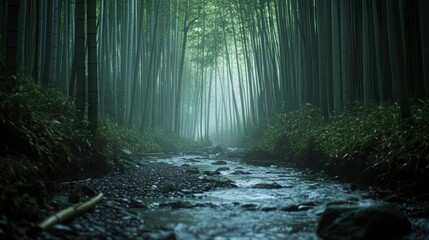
(214,119)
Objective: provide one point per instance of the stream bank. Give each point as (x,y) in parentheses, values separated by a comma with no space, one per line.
(204,196)
(372,145)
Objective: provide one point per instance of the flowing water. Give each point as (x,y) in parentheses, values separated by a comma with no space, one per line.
(290,209)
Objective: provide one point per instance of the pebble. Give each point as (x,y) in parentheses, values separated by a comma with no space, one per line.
(114,215)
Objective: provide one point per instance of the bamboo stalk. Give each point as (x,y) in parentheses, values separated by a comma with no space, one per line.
(70,212)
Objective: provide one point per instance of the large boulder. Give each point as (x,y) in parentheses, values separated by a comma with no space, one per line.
(351,222)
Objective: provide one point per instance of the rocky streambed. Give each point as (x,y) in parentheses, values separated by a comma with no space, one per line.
(207,196)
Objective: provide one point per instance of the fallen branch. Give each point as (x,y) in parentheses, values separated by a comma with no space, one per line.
(70,212)
(77,181)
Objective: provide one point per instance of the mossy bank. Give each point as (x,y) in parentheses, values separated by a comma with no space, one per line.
(370,145)
(41,141)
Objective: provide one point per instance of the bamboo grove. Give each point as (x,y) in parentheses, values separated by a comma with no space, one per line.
(215,68)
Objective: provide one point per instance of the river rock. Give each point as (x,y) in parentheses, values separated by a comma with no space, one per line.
(296,208)
(220,162)
(177,204)
(268,208)
(250,206)
(240,172)
(355,222)
(223,169)
(212,173)
(267,185)
(192,170)
(162,235)
(192,160)
(137,203)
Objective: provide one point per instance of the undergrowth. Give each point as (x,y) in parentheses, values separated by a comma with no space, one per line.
(40,144)
(370,144)
(40,138)
(118,143)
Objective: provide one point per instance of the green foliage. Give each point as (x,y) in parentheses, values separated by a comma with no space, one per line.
(292,134)
(117,143)
(372,141)
(39,125)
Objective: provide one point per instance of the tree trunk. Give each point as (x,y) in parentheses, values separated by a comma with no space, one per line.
(92,66)
(11,59)
(80,61)
(397,59)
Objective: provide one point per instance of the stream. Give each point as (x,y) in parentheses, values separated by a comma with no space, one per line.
(268,202)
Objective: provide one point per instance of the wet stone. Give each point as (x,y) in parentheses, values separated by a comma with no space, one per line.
(267,185)
(192,160)
(304,207)
(212,173)
(250,206)
(186,191)
(310,204)
(240,172)
(161,235)
(220,162)
(340,203)
(177,204)
(192,170)
(136,203)
(291,208)
(62,228)
(207,205)
(355,222)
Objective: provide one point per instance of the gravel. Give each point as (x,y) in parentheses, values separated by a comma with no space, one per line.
(118,215)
